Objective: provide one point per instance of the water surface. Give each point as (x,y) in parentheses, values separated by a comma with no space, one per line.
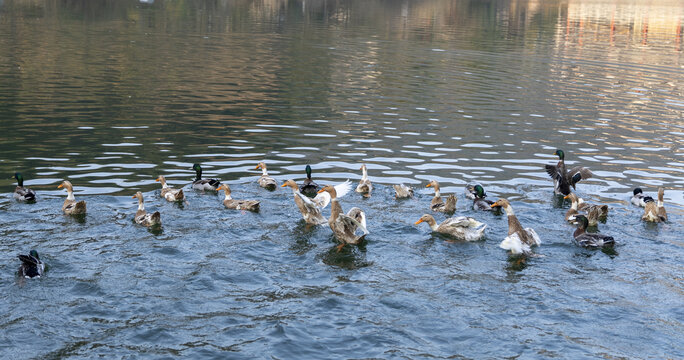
(112,94)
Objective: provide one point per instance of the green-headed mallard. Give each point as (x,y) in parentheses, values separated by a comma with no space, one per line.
(437,204)
(460,227)
(591,211)
(169,193)
(345,226)
(31,266)
(203,184)
(519,240)
(22,193)
(655,212)
(230,203)
(638,197)
(144,218)
(265,181)
(308,186)
(562,178)
(70,206)
(590,240)
(479,201)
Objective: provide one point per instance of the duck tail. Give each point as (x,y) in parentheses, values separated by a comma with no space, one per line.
(80,207)
(450,205)
(156,218)
(180,195)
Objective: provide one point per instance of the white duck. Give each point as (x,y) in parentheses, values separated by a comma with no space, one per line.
(519,240)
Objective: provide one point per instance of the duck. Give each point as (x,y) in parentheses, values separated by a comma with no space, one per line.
(402,191)
(638,197)
(311,208)
(592,212)
(437,204)
(22,193)
(562,178)
(655,211)
(169,193)
(265,181)
(519,241)
(470,192)
(345,226)
(460,227)
(144,218)
(365,186)
(70,206)
(308,186)
(590,240)
(204,184)
(228,202)
(479,201)
(31,266)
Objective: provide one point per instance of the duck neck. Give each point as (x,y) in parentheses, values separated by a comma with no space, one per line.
(432,223)
(228,197)
(579,231)
(364,176)
(70,194)
(509,210)
(199,175)
(141,205)
(660,199)
(437,193)
(574,204)
(335,209)
(263,171)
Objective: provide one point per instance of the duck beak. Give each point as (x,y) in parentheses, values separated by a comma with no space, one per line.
(418,222)
(494,205)
(157,180)
(133,197)
(428,185)
(258,166)
(566,196)
(283,185)
(320,191)
(60,186)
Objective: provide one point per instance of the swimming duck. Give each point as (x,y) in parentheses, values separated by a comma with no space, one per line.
(203,184)
(265,181)
(144,218)
(461,227)
(638,197)
(590,240)
(228,202)
(470,192)
(479,202)
(31,266)
(22,193)
(562,178)
(70,206)
(519,240)
(169,193)
(402,191)
(592,212)
(311,208)
(437,204)
(345,226)
(365,185)
(308,187)
(655,212)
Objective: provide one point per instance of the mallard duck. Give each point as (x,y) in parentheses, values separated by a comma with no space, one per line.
(592,212)
(228,202)
(655,212)
(169,193)
(590,240)
(479,201)
(519,240)
(437,204)
(402,191)
(144,218)
(70,206)
(638,197)
(22,193)
(265,181)
(308,186)
(31,266)
(311,208)
(461,227)
(204,184)
(562,178)
(365,187)
(345,226)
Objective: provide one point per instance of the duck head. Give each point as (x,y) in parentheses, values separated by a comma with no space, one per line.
(479,192)
(20,179)
(560,153)
(637,191)
(582,222)
(291,183)
(331,190)
(308,172)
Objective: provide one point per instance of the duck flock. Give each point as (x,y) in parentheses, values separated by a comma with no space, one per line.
(350,228)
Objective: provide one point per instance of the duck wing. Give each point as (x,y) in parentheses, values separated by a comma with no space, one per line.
(576,174)
(323,199)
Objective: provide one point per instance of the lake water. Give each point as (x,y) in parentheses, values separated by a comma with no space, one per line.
(111,94)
